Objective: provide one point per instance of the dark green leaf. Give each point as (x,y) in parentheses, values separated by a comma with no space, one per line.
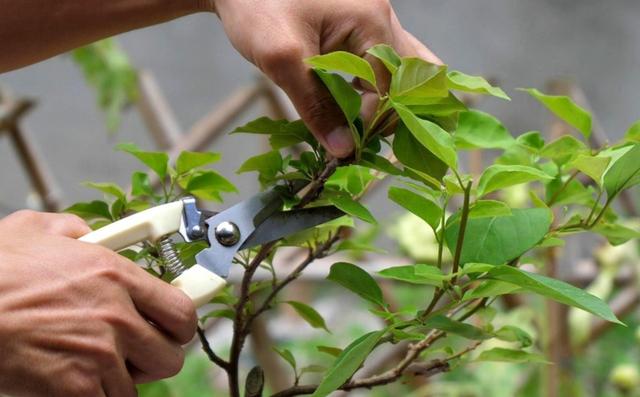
(352,207)
(283,132)
(379,163)
(477,129)
(357,280)
(346,62)
(499,176)
(497,240)
(91,210)
(414,155)
(615,233)
(416,274)
(565,109)
(444,323)
(417,204)
(563,149)
(191,160)
(309,314)
(347,363)
(332,351)
(554,289)
(464,82)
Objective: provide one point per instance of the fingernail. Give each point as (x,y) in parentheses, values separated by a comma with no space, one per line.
(339,142)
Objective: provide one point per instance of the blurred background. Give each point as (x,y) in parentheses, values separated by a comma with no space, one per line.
(517,43)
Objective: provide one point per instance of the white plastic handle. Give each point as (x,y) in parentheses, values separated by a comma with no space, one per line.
(197,282)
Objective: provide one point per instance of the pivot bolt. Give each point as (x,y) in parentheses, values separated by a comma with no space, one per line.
(227,233)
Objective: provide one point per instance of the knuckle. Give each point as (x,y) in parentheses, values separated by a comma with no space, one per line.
(274,60)
(107,267)
(318,106)
(79,383)
(25,216)
(186,318)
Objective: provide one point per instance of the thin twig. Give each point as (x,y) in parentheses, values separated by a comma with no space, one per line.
(206,347)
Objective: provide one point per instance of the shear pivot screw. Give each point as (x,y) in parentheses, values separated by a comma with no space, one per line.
(227,233)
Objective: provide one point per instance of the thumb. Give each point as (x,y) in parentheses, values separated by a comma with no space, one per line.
(312,100)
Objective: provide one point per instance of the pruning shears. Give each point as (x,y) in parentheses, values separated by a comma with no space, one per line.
(257,220)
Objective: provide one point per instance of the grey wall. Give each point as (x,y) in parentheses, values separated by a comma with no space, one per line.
(521,42)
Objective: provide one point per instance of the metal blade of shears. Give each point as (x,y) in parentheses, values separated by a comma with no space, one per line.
(285,223)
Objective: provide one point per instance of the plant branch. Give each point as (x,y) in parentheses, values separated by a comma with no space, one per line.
(463,228)
(206,347)
(407,364)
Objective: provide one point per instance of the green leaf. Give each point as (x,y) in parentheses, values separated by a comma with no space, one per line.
(347,98)
(342,61)
(623,172)
(309,314)
(444,323)
(157,161)
(499,176)
(440,106)
(417,204)
(412,154)
(352,179)
(110,189)
(430,135)
(356,280)
(283,132)
(554,289)
(387,55)
(476,84)
(481,130)
(615,233)
(418,78)
(268,165)
(347,363)
(592,166)
(501,354)
(287,356)
(502,176)
(633,133)
(563,149)
(489,208)
(92,210)
(140,185)
(415,274)
(490,289)
(379,163)
(352,207)
(191,160)
(512,333)
(532,140)
(208,185)
(332,351)
(565,109)
(497,240)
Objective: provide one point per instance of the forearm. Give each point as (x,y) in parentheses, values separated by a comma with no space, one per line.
(33,30)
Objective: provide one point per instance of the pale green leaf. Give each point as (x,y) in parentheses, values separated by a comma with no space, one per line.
(157,161)
(91,210)
(110,189)
(489,208)
(615,233)
(309,314)
(286,356)
(477,129)
(429,275)
(633,133)
(448,325)
(476,84)
(387,55)
(563,149)
(592,166)
(346,62)
(501,354)
(623,172)
(190,160)
(499,176)
(430,135)
(511,333)
(140,184)
(418,78)
(352,207)
(565,109)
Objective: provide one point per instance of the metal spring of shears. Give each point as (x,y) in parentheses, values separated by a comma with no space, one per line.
(170,258)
